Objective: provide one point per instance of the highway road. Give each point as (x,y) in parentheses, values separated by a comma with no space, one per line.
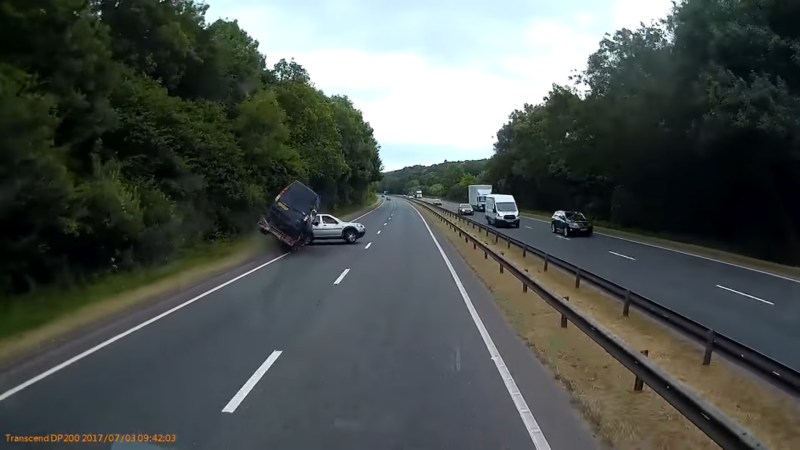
(385,344)
(758,309)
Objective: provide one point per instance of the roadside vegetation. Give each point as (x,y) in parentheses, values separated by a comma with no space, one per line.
(50,314)
(136,135)
(600,386)
(689,127)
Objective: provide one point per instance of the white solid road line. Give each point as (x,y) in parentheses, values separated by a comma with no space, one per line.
(621,255)
(110,341)
(251,382)
(341,277)
(746,295)
(534,431)
(379,232)
(695,255)
(530,228)
(368,246)
(562,237)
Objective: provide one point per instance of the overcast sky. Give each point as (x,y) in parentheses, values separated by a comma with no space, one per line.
(435,80)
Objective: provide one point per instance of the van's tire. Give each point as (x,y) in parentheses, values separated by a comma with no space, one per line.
(552,227)
(566,231)
(350,236)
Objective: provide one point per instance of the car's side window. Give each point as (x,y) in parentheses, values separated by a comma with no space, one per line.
(329,220)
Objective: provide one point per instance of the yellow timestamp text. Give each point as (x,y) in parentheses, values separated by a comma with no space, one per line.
(90,438)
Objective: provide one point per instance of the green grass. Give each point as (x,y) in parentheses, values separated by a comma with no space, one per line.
(353,211)
(28,320)
(25,312)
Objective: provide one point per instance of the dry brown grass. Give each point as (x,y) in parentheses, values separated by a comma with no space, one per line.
(603,387)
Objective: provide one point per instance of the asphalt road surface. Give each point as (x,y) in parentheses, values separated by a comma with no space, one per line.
(389,343)
(758,309)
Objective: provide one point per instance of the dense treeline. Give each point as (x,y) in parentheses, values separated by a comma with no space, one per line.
(131,130)
(447,180)
(689,126)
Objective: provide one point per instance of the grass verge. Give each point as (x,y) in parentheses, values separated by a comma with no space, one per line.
(673,243)
(602,387)
(29,321)
(32,320)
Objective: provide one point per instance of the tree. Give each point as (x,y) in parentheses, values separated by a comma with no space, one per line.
(448,179)
(133,131)
(695,116)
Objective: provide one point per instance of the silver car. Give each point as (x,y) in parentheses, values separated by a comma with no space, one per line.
(328,227)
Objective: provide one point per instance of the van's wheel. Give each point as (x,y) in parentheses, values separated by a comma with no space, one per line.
(350,236)
(552,227)
(566,231)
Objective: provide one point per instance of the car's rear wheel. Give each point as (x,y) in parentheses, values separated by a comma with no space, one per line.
(350,236)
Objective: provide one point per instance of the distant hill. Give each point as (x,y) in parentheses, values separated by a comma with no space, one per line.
(448,179)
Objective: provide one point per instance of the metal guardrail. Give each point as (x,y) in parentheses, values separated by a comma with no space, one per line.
(708,418)
(753,360)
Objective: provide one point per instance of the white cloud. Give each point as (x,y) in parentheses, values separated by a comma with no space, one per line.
(411,100)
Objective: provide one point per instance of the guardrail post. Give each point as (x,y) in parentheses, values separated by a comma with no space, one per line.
(524,287)
(501,267)
(578,278)
(485,255)
(509,243)
(627,305)
(487,231)
(496,237)
(546,257)
(524,250)
(563,317)
(474,246)
(709,347)
(638,383)
(466,238)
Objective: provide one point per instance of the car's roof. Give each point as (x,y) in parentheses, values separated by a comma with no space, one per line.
(501,197)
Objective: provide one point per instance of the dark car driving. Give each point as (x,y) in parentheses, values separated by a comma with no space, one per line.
(570,223)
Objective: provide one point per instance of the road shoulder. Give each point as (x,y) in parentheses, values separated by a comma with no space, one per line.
(551,405)
(95,322)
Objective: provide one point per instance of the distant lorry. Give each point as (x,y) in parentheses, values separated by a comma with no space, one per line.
(291,216)
(418,194)
(477,195)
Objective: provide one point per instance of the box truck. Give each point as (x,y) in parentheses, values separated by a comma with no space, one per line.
(477,195)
